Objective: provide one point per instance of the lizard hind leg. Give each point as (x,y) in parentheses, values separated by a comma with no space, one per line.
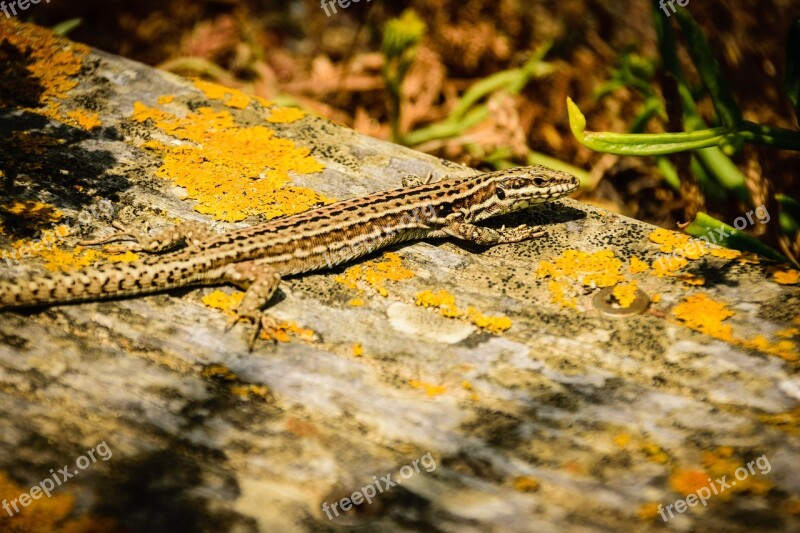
(188,233)
(260,282)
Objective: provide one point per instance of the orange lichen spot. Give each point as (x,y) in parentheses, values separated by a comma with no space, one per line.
(43,514)
(250,391)
(219,373)
(375,273)
(622,439)
(637,266)
(654,453)
(688,481)
(749,477)
(786,277)
(230,97)
(625,293)
(430,389)
(691,279)
(791,506)
(788,421)
(788,333)
(648,511)
(656,298)
(223,301)
(285,115)
(85,119)
(526,484)
(231,172)
(703,314)
(166,99)
(726,253)
(356,302)
(358,350)
(287,330)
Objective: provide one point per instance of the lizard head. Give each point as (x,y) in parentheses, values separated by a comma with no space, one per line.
(518,188)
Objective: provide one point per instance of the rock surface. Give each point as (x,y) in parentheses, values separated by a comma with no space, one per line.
(500,389)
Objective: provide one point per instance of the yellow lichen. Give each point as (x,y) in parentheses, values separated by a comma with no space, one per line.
(597,269)
(701,313)
(654,453)
(230,97)
(680,244)
(165,99)
(726,253)
(786,277)
(625,293)
(430,389)
(722,462)
(250,391)
(223,301)
(356,302)
(446,304)
(526,484)
(788,333)
(231,172)
(287,330)
(558,295)
(375,273)
(788,421)
(52,60)
(622,439)
(358,350)
(492,324)
(637,266)
(85,119)
(285,115)
(648,511)
(441,300)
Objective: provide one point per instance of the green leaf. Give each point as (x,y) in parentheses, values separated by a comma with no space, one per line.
(710,72)
(791,81)
(63,28)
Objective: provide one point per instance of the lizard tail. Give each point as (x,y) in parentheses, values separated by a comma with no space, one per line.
(103,282)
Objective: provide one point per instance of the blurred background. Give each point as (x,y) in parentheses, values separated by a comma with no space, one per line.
(485,83)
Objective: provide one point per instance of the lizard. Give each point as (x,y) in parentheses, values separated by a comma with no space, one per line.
(256,258)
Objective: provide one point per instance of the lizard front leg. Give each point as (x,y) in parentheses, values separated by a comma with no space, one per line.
(188,233)
(488,236)
(260,282)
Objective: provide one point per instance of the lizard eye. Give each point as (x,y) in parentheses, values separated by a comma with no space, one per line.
(501,194)
(538,182)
